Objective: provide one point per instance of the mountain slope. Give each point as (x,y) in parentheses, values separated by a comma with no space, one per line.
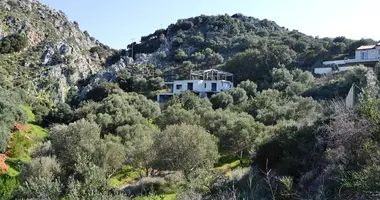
(212,41)
(56,53)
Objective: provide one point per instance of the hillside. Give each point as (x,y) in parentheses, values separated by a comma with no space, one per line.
(54,60)
(213,41)
(41,50)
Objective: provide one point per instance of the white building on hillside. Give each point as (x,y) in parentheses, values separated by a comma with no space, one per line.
(204,83)
(366,54)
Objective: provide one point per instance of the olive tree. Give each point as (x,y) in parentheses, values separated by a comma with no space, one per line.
(110,154)
(249,86)
(40,179)
(177,115)
(191,101)
(239,95)
(185,147)
(81,140)
(221,100)
(138,141)
(239,134)
(74,140)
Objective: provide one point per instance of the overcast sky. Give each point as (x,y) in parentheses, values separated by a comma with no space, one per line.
(117,22)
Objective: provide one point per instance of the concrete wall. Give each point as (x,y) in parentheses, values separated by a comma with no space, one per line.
(201,86)
(326,70)
(373,54)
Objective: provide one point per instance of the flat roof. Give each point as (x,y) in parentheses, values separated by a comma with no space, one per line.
(365,47)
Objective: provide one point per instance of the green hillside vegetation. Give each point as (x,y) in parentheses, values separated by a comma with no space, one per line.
(125,142)
(246,46)
(18,148)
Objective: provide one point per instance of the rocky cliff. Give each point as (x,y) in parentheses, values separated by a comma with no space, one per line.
(57,51)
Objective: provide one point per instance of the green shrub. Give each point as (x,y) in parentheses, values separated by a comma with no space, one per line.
(115,57)
(196,40)
(9,114)
(221,100)
(13,43)
(102,91)
(12,3)
(185,147)
(8,184)
(179,55)
(19,145)
(62,113)
(99,50)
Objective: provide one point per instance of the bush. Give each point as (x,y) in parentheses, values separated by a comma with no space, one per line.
(102,91)
(12,3)
(196,40)
(19,145)
(177,115)
(191,101)
(62,113)
(146,186)
(249,86)
(86,33)
(185,147)
(13,43)
(99,50)
(115,57)
(57,59)
(9,114)
(179,55)
(221,100)
(8,186)
(239,95)
(40,112)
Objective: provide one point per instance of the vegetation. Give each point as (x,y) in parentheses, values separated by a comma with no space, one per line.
(13,43)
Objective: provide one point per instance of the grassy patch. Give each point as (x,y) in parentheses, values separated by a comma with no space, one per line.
(13,166)
(227,162)
(228,166)
(38,131)
(124,176)
(35,131)
(31,117)
(21,144)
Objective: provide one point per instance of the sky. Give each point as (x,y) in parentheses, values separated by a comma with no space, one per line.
(118,22)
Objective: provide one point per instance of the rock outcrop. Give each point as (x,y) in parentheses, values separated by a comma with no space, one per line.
(63,49)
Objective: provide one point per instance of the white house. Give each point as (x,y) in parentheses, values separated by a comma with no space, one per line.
(366,54)
(203,83)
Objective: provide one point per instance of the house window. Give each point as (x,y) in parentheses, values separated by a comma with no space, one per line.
(364,55)
(205,85)
(178,87)
(378,51)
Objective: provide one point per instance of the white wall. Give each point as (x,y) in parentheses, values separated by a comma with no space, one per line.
(326,70)
(373,54)
(337,62)
(323,70)
(199,85)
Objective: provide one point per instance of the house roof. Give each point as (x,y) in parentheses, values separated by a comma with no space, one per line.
(365,47)
(202,72)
